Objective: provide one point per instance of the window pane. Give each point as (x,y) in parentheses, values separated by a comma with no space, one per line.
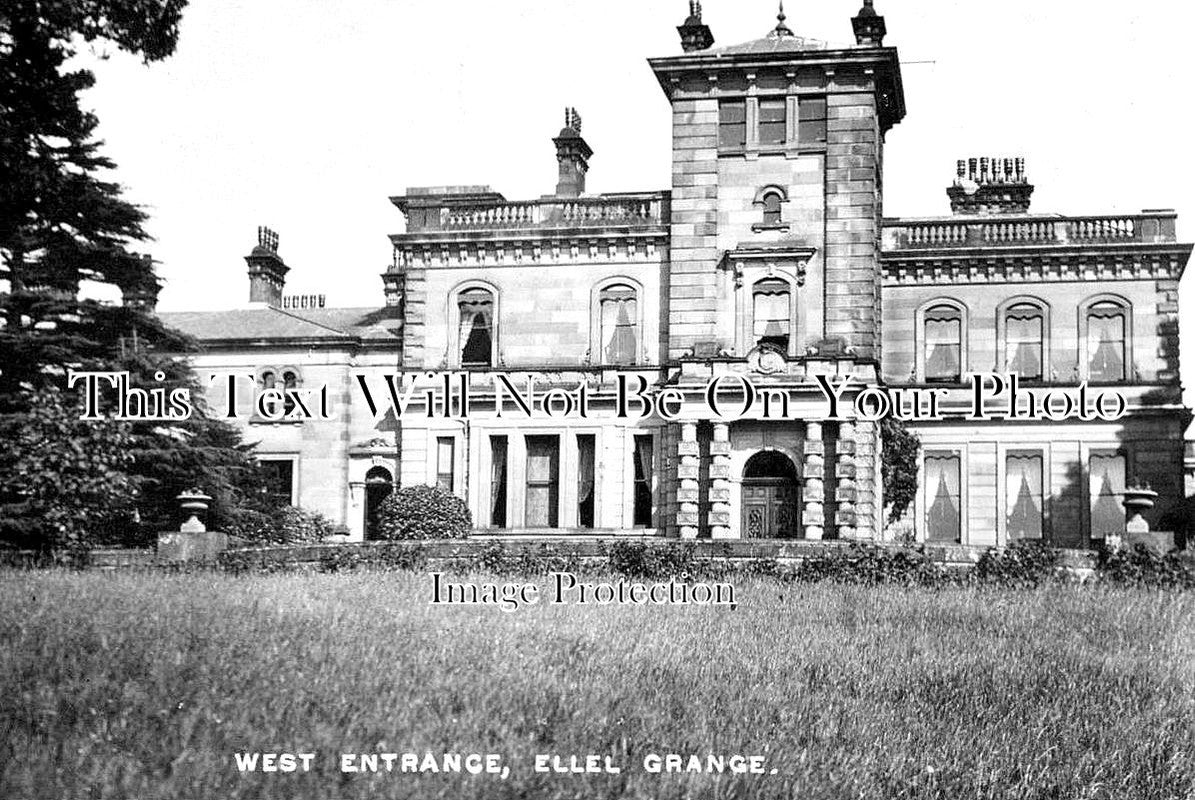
(543,459)
(1023,342)
(771,322)
(643,466)
(773,122)
(279,475)
(942,478)
(1106,492)
(620,323)
(445,463)
(811,128)
(1023,495)
(1106,343)
(732,123)
(943,345)
(498,481)
(476,308)
(586,447)
(771,209)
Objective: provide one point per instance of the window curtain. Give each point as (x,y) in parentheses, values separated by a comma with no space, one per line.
(498,482)
(620,317)
(476,322)
(1105,343)
(643,481)
(1023,343)
(586,445)
(771,312)
(1023,487)
(943,520)
(1107,483)
(943,345)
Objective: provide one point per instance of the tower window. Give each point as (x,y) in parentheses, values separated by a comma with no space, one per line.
(773,122)
(732,123)
(771,308)
(771,209)
(811,126)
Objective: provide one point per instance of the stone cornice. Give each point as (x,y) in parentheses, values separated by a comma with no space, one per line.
(1036,264)
(514,249)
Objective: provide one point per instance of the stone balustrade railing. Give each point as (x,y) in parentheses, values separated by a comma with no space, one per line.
(1144,228)
(646,210)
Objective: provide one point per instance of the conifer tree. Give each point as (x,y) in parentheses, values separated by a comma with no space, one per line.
(63,222)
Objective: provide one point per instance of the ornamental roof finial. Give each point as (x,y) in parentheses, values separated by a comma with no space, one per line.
(781,28)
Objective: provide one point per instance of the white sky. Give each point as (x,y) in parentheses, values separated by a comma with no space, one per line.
(306,115)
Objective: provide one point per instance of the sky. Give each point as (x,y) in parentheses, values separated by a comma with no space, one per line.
(306,115)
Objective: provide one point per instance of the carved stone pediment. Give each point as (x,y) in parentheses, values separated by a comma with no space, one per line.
(779,259)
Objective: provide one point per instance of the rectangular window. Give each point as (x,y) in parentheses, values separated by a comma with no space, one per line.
(732,123)
(811,126)
(498,481)
(586,469)
(770,301)
(279,476)
(943,510)
(543,481)
(446,463)
(1023,495)
(773,122)
(1106,474)
(644,469)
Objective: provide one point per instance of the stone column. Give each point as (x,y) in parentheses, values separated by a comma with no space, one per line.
(844,472)
(813,514)
(688,474)
(720,482)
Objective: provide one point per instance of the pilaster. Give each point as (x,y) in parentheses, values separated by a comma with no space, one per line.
(688,474)
(720,482)
(813,514)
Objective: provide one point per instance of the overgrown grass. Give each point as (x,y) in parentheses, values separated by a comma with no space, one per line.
(145,686)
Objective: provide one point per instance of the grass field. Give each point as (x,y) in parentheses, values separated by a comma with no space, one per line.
(134,686)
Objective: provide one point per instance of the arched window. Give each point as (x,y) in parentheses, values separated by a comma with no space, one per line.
(476,328)
(943,338)
(1107,333)
(771,208)
(619,320)
(771,306)
(1024,338)
(290,380)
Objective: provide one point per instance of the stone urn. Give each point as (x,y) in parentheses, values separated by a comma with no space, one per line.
(1137,500)
(195,503)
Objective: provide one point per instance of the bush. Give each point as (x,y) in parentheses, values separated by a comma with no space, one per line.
(285,526)
(1142,566)
(423,512)
(1026,564)
(870,565)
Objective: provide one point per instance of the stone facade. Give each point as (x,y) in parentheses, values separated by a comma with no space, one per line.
(769,258)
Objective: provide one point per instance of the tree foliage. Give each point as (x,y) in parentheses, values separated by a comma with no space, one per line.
(901,448)
(63,222)
(63,480)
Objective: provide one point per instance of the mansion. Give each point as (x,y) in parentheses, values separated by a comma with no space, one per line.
(769,257)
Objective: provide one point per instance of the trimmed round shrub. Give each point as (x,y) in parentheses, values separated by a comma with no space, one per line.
(424,512)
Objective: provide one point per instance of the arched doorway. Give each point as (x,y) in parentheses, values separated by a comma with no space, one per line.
(770,497)
(378,485)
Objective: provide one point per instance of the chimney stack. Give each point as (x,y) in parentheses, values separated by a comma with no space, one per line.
(990,186)
(694,34)
(573,154)
(267,271)
(870,29)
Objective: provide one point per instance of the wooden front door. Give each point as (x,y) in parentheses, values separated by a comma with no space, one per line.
(769,508)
